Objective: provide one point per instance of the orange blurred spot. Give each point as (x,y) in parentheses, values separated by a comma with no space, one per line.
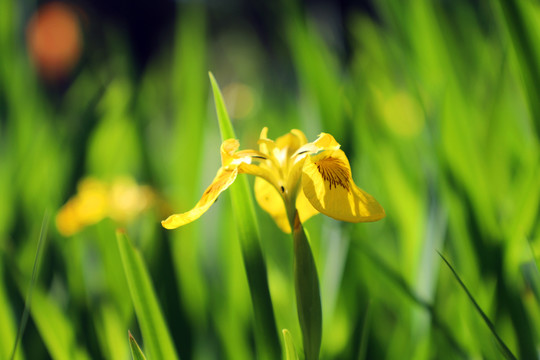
(54,40)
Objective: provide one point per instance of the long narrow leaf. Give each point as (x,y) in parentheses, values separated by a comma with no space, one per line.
(308,298)
(156,336)
(28,300)
(267,340)
(136,351)
(401,284)
(504,349)
(290,351)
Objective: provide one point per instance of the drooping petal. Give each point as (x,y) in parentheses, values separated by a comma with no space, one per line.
(328,185)
(271,201)
(324,142)
(304,207)
(223,179)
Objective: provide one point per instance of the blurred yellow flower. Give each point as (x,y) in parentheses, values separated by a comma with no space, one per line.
(122,200)
(292,176)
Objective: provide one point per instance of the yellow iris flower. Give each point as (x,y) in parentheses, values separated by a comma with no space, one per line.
(121,200)
(293,176)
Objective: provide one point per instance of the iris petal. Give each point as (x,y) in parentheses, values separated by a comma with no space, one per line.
(304,207)
(271,201)
(266,145)
(324,142)
(222,181)
(228,149)
(291,142)
(328,185)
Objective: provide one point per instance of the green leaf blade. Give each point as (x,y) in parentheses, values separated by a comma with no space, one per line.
(290,350)
(136,352)
(308,298)
(156,336)
(502,346)
(266,335)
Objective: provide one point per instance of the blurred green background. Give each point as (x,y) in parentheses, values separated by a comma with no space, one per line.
(436,104)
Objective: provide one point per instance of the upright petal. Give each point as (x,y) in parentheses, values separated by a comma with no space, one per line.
(291,142)
(266,145)
(328,185)
(222,181)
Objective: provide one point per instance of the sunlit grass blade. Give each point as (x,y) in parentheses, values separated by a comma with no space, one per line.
(290,351)
(28,300)
(266,335)
(502,346)
(157,339)
(136,351)
(225,126)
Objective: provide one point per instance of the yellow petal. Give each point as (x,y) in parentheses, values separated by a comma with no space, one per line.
(328,185)
(87,207)
(222,181)
(304,207)
(228,148)
(290,142)
(92,201)
(127,199)
(324,142)
(266,145)
(327,142)
(67,219)
(230,156)
(300,135)
(271,201)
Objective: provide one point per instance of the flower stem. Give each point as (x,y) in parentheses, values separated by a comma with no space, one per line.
(308,299)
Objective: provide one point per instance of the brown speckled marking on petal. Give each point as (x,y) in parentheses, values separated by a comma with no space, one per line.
(334,171)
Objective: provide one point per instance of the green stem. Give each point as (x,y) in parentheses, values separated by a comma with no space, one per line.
(308,299)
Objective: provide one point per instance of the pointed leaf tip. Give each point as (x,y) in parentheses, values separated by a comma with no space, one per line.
(136,352)
(290,350)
